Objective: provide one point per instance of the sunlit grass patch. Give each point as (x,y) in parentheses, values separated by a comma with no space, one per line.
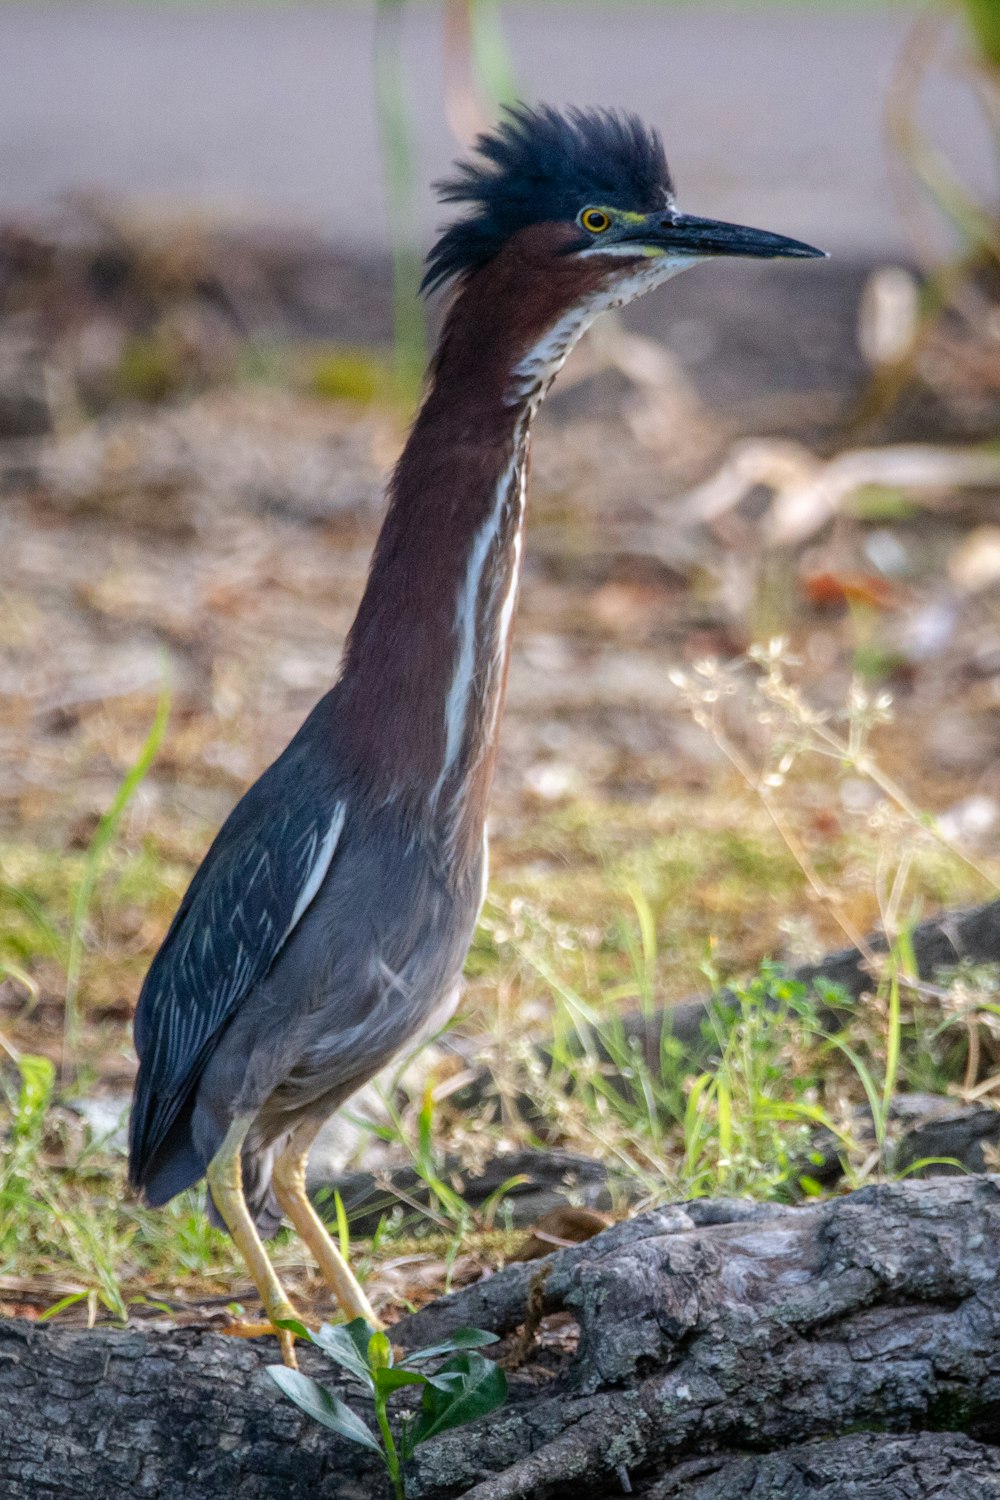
(720,885)
(789,1092)
(780,1101)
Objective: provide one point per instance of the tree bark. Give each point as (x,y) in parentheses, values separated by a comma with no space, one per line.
(654,1356)
(867,1466)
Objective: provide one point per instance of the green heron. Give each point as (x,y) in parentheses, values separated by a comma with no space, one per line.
(330,920)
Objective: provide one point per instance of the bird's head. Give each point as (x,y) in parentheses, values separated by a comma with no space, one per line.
(598,181)
(578,208)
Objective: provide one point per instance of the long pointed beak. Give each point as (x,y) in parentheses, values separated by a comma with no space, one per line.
(685,234)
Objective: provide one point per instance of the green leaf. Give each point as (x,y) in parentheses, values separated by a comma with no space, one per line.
(37,1080)
(388,1378)
(57,1307)
(290,1325)
(425,1126)
(379,1352)
(343,1229)
(446,1380)
(482,1389)
(317,1402)
(462,1338)
(347,1345)
(923,1163)
(359,1332)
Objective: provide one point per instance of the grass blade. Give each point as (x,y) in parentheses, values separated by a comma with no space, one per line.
(99,844)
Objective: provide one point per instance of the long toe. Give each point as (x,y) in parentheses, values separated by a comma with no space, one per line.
(285,1340)
(245,1328)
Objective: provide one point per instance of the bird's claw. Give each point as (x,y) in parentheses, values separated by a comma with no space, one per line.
(244,1329)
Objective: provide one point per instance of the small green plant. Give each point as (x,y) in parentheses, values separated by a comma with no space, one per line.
(464,1387)
(751,1118)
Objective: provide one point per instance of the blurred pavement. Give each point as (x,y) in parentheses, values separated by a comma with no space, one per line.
(771,117)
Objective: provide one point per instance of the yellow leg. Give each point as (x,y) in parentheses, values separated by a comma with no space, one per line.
(288,1180)
(225,1178)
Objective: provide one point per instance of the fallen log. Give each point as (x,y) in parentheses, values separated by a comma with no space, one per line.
(866,1466)
(531,1183)
(653,1357)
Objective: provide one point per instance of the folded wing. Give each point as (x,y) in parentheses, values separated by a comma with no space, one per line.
(260,875)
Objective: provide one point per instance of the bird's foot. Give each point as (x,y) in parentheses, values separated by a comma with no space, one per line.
(245,1328)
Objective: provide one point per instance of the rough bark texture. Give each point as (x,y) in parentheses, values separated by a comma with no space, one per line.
(723,1349)
(867,1466)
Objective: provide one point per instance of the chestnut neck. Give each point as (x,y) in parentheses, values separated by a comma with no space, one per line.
(423,681)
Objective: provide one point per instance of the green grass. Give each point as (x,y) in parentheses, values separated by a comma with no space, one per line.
(772,1080)
(596,910)
(103,837)
(774,1074)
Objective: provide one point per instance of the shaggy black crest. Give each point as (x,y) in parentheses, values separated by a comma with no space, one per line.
(539,165)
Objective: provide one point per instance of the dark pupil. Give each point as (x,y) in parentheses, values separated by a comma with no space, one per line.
(596,221)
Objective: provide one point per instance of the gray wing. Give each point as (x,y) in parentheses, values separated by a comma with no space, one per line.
(261,873)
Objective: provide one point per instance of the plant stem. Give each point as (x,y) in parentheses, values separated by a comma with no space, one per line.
(391,1456)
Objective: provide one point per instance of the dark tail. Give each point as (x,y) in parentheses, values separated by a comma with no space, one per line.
(176,1165)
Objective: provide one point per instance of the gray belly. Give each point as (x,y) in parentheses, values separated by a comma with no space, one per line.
(375,961)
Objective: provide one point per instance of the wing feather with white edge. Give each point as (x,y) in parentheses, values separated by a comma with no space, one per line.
(258,878)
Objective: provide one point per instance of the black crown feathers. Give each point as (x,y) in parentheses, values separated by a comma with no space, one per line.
(539,165)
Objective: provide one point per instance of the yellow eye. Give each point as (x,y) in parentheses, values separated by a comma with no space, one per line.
(595,220)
